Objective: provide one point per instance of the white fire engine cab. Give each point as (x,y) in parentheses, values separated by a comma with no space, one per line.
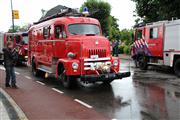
(157,43)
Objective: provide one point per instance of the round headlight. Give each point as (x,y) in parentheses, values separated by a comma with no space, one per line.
(75,65)
(115,63)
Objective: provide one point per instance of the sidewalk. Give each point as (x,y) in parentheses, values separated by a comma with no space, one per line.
(3,112)
(9,109)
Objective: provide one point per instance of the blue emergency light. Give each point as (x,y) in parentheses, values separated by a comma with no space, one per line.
(85,11)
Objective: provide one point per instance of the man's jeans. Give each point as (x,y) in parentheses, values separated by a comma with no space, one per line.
(10,75)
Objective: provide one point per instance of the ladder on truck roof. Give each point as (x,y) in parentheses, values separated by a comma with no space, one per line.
(59,11)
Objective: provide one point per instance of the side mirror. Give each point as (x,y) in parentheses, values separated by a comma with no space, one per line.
(64,34)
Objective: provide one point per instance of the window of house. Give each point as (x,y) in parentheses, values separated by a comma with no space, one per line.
(153,33)
(46,32)
(60,32)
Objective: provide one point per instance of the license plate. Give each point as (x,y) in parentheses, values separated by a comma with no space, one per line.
(94,56)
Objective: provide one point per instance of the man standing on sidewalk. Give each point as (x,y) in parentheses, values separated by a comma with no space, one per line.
(10,57)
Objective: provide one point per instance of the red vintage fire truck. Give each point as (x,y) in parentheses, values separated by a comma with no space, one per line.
(157,43)
(71,47)
(20,40)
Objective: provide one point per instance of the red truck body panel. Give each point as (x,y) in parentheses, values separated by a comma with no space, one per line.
(20,39)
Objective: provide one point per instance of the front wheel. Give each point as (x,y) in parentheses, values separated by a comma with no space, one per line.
(142,63)
(107,82)
(67,81)
(177,67)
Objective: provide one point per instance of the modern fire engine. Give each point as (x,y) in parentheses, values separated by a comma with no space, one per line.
(157,43)
(20,40)
(71,46)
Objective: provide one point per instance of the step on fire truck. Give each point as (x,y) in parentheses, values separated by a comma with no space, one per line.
(72,47)
(157,44)
(20,40)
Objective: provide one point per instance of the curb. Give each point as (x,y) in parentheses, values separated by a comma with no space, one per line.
(18,110)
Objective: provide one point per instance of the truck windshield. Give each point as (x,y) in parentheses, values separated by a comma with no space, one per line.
(84,29)
(25,40)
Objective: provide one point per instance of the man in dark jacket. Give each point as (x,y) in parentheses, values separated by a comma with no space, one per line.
(10,57)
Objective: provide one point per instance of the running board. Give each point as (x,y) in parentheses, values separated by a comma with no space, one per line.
(45,69)
(155,64)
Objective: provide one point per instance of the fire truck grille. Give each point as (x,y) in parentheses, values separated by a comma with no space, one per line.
(99,52)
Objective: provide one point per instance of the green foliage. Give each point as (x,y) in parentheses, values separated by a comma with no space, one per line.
(121,49)
(126,49)
(127,36)
(100,10)
(16,29)
(114,33)
(19,28)
(156,10)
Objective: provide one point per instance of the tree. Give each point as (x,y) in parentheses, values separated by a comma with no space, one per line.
(127,36)
(16,29)
(156,10)
(100,10)
(114,33)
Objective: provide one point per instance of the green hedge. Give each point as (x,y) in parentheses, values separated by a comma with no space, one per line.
(124,49)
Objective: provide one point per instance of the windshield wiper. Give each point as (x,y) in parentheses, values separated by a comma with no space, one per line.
(90,34)
(74,33)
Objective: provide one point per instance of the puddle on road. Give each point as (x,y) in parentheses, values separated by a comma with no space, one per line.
(149,100)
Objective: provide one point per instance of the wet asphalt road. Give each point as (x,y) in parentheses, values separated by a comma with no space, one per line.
(153,94)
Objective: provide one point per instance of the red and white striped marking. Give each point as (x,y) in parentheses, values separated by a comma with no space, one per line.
(140,43)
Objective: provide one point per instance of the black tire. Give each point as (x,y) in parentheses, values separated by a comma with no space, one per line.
(107,82)
(1,62)
(177,67)
(142,62)
(67,81)
(136,63)
(35,72)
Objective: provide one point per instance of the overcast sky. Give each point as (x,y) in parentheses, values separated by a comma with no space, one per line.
(30,10)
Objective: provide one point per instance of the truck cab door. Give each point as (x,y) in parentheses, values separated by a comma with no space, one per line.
(155,40)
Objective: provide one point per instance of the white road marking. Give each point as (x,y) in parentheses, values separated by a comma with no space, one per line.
(2,68)
(27,77)
(57,90)
(40,82)
(17,73)
(83,103)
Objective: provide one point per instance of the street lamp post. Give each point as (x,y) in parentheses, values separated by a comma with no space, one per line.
(12,16)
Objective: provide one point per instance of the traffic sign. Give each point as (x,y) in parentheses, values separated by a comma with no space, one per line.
(15,14)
